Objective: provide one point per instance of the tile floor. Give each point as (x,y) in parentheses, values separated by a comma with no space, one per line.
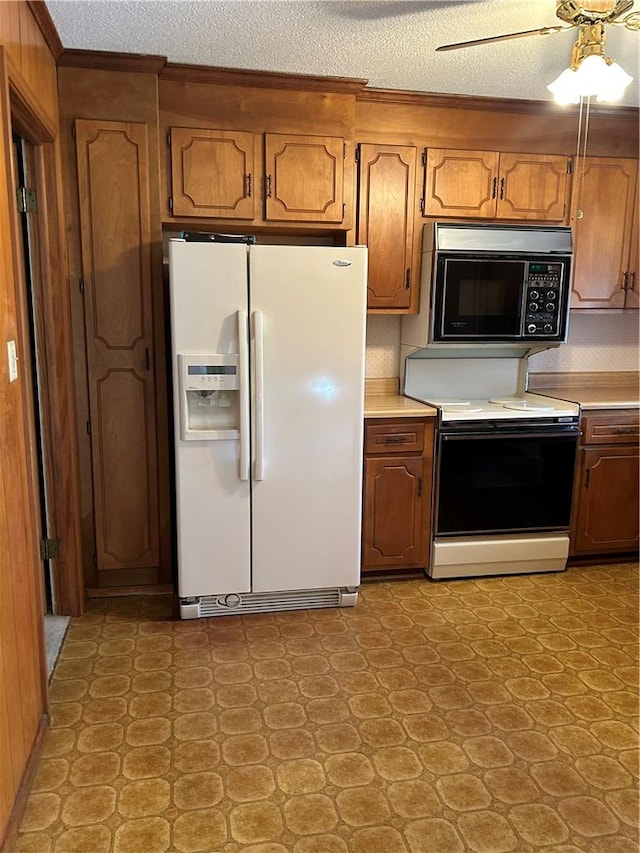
(489,716)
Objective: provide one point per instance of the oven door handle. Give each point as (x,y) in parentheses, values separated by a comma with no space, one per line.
(459,436)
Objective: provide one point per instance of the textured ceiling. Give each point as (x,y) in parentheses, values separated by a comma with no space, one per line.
(390,44)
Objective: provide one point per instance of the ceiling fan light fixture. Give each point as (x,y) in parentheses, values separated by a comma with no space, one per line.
(595,76)
(590,72)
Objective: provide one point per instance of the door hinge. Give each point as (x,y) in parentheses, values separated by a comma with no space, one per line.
(49,549)
(81,285)
(570,166)
(169,139)
(170,203)
(356,154)
(344,210)
(422,206)
(88,427)
(27,201)
(424,157)
(344,150)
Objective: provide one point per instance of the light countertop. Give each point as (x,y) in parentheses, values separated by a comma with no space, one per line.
(382,400)
(590,390)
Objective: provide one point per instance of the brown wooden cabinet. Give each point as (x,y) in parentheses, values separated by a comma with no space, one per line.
(213,173)
(605,195)
(115,219)
(493,185)
(397,494)
(386,201)
(220,173)
(606,503)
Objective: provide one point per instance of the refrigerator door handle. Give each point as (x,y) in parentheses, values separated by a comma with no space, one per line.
(243,352)
(258,334)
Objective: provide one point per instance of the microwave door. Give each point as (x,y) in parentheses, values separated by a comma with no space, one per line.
(480,300)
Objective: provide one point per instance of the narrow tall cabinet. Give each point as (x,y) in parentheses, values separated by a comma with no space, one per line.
(115,226)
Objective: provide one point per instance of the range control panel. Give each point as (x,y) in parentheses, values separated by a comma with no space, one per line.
(543,299)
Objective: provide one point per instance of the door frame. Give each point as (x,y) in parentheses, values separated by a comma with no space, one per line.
(23,117)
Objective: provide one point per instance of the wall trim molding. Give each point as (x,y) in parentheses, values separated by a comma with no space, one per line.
(47,27)
(105,60)
(26,783)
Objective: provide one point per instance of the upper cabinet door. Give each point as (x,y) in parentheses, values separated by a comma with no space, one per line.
(212,173)
(532,186)
(461,183)
(604,194)
(386,201)
(304,178)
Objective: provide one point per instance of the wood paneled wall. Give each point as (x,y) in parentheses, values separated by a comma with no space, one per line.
(29,103)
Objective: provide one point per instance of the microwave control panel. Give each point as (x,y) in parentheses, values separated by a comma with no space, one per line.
(543,299)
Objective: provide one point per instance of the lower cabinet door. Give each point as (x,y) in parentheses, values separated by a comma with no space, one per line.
(606,518)
(394,528)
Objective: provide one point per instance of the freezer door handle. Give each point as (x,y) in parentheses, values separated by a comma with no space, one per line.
(243,351)
(258,335)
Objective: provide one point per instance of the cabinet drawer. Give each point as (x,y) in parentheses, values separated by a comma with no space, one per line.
(406,437)
(611,427)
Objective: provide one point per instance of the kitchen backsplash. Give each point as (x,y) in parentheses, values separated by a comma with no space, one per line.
(383,346)
(597,342)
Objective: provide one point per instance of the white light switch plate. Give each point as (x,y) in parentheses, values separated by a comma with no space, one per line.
(12,358)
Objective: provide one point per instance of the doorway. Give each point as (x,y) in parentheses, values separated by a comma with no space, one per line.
(33,332)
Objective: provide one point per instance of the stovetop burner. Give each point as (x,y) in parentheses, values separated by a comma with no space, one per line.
(522,405)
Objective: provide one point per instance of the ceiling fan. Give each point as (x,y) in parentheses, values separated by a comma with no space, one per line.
(591,13)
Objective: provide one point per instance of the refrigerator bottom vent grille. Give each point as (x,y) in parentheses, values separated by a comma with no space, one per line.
(266,602)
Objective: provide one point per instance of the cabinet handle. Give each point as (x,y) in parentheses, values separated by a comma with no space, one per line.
(625,281)
(501,188)
(419,487)
(587,478)
(625,430)
(147,359)
(632,280)
(268,186)
(396,439)
(407,279)
(247,179)
(494,189)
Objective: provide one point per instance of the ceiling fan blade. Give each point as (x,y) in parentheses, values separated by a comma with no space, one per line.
(544,31)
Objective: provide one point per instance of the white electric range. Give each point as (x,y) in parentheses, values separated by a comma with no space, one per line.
(518,406)
(504,464)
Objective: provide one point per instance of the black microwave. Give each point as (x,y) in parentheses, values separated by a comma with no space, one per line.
(488,283)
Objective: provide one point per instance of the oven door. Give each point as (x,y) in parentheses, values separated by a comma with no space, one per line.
(478,299)
(504,481)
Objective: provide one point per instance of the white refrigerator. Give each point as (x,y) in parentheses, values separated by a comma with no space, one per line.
(268,384)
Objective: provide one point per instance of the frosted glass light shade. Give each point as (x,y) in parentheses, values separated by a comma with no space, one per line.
(594,76)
